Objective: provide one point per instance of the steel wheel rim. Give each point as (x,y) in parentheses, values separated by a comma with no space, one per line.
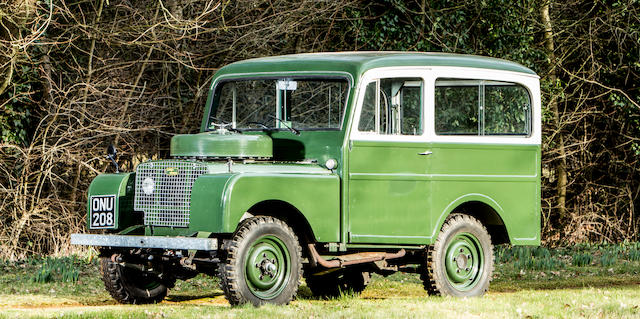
(464,261)
(267,267)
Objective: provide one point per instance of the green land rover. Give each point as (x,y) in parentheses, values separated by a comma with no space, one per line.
(329,167)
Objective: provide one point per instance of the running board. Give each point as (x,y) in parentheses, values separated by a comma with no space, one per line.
(352,259)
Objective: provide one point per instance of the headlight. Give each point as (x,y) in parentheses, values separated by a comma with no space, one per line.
(148,185)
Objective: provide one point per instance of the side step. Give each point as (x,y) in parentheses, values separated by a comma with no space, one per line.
(352,259)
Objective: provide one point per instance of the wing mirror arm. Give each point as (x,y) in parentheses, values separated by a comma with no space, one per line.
(111,155)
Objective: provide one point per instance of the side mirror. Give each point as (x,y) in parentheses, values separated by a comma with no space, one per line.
(111,155)
(111,151)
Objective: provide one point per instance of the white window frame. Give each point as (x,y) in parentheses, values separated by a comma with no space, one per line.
(429,75)
(530,82)
(386,73)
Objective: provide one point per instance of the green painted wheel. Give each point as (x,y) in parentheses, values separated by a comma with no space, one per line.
(464,261)
(268,265)
(262,263)
(460,262)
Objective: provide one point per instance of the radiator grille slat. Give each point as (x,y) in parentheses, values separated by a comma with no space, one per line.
(169,203)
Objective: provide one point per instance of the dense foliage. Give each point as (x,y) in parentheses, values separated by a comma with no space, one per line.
(78,75)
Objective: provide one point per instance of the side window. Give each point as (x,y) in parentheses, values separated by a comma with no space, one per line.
(456,108)
(481,107)
(507,110)
(392,106)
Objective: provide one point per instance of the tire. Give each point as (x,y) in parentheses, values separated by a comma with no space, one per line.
(337,283)
(131,286)
(261,264)
(460,262)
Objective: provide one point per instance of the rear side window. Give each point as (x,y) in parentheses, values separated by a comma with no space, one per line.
(481,107)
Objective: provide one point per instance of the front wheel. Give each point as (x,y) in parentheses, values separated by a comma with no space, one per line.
(132,286)
(262,263)
(460,262)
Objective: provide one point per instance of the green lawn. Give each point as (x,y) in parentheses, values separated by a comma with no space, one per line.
(592,291)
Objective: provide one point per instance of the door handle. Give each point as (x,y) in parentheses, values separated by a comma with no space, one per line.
(426,153)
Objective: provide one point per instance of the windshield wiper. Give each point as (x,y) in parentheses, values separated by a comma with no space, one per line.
(262,125)
(293,130)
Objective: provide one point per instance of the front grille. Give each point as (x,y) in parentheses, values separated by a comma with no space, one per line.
(167,202)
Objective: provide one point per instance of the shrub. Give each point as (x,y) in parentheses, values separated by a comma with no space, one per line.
(582,259)
(57,270)
(528,257)
(608,259)
(634,255)
(544,263)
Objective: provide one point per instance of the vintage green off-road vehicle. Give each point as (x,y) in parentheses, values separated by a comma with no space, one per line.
(329,167)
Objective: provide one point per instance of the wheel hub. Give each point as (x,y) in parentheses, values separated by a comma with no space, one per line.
(463,261)
(270,267)
(267,267)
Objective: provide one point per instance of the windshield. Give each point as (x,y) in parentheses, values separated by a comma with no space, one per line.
(260,104)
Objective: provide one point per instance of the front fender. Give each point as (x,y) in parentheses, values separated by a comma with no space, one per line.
(207,202)
(317,197)
(122,186)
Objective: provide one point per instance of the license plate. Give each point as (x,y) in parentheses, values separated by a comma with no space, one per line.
(103,211)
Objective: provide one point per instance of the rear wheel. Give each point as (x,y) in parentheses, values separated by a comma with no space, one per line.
(339,282)
(460,262)
(263,263)
(132,286)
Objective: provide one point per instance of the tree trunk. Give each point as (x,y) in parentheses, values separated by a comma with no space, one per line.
(561,163)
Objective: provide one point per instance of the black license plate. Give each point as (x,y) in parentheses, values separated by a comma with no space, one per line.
(103,211)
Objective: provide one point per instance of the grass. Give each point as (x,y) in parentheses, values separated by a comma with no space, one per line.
(551,286)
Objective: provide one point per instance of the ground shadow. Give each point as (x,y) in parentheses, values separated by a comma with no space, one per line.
(304,293)
(192,296)
(572,283)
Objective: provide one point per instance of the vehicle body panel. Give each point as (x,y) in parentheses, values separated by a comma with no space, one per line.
(389,193)
(209,144)
(400,196)
(316,197)
(505,177)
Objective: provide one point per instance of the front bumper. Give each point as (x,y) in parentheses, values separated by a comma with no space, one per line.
(133,241)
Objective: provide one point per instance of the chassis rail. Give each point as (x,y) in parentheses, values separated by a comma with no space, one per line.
(132,241)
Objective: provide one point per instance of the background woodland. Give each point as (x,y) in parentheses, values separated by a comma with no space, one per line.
(79,75)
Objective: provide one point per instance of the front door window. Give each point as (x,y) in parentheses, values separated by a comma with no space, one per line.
(392,107)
